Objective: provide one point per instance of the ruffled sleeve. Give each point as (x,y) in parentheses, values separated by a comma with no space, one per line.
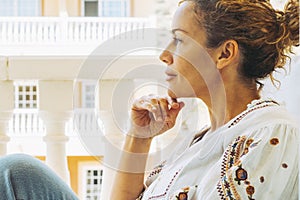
(261,165)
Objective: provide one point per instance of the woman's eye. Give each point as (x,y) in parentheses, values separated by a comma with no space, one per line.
(176,40)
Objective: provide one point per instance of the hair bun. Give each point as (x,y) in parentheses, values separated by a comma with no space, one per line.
(291,20)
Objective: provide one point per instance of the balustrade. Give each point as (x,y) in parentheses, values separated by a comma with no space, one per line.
(65,30)
(26,122)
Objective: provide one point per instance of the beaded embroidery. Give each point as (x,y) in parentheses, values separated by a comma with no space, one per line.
(255,105)
(154,173)
(231,157)
(240,175)
(167,188)
(232,154)
(226,189)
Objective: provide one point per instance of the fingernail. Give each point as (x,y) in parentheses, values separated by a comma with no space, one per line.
(153,108)
(159,119)
(175,105)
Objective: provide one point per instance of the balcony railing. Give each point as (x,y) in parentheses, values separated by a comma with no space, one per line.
(85,122)
(66,30)
(26,122)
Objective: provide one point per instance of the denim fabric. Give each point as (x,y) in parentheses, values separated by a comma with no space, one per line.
(23,177)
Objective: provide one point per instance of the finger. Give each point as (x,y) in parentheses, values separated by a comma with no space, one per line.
(156,110)
(138,102)
(173,103)
(164,107)
(157,107)
(173,113)
(141,104)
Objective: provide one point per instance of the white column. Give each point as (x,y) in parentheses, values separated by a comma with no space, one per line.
(6,111)
(108,170)
(63,8)
(55,104)
(109,101)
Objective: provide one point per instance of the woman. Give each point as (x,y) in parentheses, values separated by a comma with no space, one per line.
(221,49)
(251,149)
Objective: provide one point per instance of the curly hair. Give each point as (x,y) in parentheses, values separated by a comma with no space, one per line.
(265,36)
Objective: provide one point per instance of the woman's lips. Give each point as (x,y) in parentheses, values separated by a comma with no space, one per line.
(170,76)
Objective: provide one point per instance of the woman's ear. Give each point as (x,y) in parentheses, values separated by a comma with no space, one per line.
(227,54)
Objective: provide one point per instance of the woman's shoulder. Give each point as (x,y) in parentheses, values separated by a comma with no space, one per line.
(263,123)
(267,149)
(272,116)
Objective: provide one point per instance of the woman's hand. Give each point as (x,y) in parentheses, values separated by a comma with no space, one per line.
(153,115)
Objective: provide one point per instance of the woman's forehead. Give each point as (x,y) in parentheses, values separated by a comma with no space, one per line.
(184,18)
(186,21)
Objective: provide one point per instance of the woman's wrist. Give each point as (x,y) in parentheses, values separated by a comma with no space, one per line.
(136,144)
(142,132)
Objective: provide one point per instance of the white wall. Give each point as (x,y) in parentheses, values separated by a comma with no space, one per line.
(142,8)
(288,92)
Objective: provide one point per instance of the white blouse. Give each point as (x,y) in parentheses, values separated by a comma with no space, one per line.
(254,156)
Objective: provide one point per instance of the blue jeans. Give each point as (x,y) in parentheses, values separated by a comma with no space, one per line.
(23,177)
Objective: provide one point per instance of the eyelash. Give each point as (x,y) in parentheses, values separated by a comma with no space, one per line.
(176,40)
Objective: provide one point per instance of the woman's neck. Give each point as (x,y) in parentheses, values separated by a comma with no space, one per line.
(228,104)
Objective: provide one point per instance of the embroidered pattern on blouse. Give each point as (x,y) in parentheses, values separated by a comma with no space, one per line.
(240,175)
(226,187)
(254,144)
(155,171)
(284,165)
(167,188)
(252,107)
(152,176)
(232,154)
(250,191)
(183,195)
(248,145)
(274,141)
(262,179)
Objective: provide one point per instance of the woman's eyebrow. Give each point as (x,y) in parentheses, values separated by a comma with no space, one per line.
(178,29)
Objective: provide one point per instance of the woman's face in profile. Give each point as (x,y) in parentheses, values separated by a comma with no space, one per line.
(189,66)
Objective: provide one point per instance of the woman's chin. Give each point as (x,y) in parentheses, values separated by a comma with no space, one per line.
(172,94)
(175,95)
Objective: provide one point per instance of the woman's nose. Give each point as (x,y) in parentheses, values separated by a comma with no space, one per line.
(166,57)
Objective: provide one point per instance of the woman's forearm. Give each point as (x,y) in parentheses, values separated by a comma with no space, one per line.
(129,178)
(150,116)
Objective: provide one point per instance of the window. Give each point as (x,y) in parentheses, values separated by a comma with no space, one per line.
(114,8)
(106,8)
(88,94)
(91,8)
(26,95)
(89,173)
(20,7)
(92,187)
